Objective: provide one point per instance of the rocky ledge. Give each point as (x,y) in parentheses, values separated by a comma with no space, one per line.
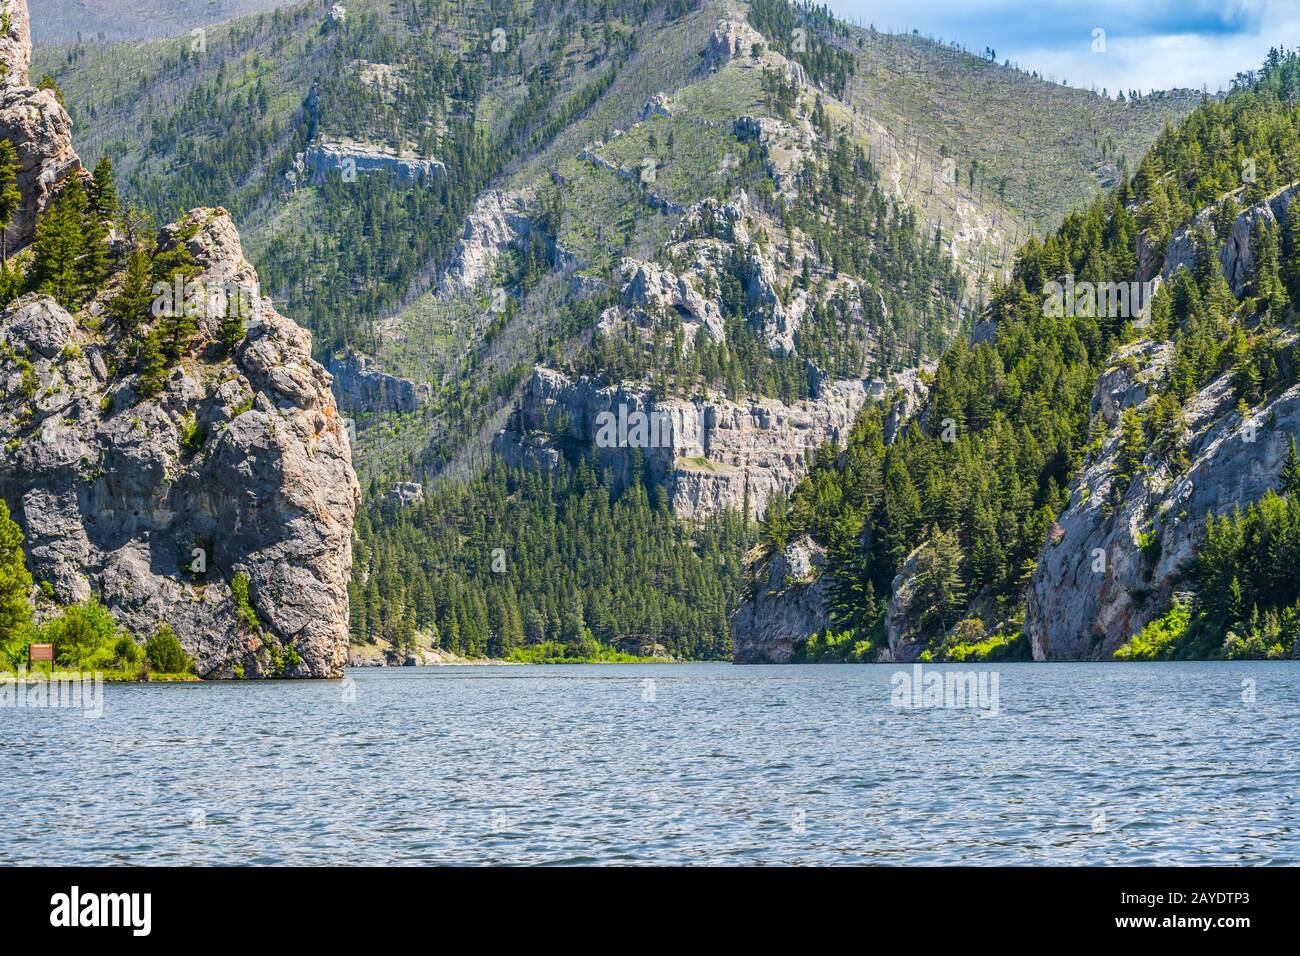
(709,454)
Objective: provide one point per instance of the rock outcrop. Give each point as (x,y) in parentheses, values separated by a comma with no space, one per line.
(705,241)
(239,468)
(732,40)
(1117,557)
(905,638)
(787,605)
(37,125)
(498,222)
(1236,256)
(346,157)
(361,387)
(709,455)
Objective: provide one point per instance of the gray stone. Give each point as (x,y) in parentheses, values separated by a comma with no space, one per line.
(788,604)
(38,127)
(114,503)
(361,387)
(1080,610)
(342,156)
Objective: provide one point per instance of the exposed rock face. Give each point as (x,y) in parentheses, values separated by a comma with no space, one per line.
(36,124)
(709,455)
(1235,254)
(1095,586)
(361,387)
(786,147)
(651,290)
(730,40)
(657,105)
(787,604)
(905,638)
(787,607)
(240,464)
(709,234)
(499,221)
(406,493)
(16,45)
(342,156)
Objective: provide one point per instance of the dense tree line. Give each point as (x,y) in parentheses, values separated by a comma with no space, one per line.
(519,559)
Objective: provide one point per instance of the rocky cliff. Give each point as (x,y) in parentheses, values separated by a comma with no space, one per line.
(240,466)
(221,503)
(786,600)
(708,454)
(37,125)
(347,158)
(361,387)
(1236,256)
(786,604)
(1115,564)
(500,221)
(1120,549)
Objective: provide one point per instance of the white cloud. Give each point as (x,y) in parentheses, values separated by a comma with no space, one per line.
(1150,44)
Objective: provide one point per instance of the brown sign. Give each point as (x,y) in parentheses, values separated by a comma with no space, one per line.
(42,652)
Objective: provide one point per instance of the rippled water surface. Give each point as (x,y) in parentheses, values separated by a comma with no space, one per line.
(693,763)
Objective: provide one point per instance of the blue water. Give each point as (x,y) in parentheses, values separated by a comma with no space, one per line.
(709,764)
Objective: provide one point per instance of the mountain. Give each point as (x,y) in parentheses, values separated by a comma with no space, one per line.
(172,456)
(746,223)
(555,128)
(1107,469)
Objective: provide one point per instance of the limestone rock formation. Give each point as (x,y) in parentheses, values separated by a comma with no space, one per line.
(35,123)
(788,605)
(240,466)
(1236,257)
(15,44)
(1118,559)
(730,40)
(709,455)
(344,156)
(498,222)
(361,387)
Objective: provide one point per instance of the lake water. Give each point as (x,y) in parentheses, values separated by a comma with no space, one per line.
(691,763)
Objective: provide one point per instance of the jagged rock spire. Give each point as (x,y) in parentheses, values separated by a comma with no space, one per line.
(35,122)
(15,43)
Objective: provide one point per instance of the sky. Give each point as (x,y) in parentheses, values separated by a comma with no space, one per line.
(1146,44)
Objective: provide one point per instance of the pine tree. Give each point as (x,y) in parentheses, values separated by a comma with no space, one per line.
(10,197)
(103,191)
(231,331)
(131,307)
(153,366)
(15,580)
(1268,271)
(1291,472)
(177,330)
(940,590)
(59,246)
